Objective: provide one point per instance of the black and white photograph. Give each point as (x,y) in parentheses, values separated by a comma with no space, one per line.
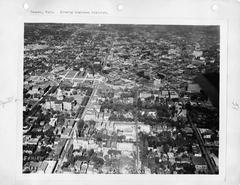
(121,99)
(118,92)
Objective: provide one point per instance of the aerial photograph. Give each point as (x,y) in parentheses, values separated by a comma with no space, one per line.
(120,99)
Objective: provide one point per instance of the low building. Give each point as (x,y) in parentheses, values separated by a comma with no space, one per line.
(33,166)
(70,123)
(188,131)
(157,83)
(200,164)
(86,144)
(144,128)
(90,115)
(144,95)
(32,141)
(58,106)
(127,128)
(193,88)
(66,133)
(53,122)
(130,147)
(47,105)
(67,103)
(152,114)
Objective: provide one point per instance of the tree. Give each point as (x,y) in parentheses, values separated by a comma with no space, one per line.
(92,123)
(49,132)
(71,159)
(80,158)
(189,169)
(90,152)
(98,162)
(121,138)
(166,148)
(65,164)
(180,150)
(188,106)
(139,103)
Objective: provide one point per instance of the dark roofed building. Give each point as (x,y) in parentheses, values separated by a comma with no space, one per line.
(200,164)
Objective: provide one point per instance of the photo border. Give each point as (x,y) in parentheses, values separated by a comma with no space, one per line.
(135,178)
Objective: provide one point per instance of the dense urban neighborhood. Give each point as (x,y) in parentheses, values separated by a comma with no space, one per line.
(120,99)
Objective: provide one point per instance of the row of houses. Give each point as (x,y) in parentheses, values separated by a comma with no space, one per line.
(58,105)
